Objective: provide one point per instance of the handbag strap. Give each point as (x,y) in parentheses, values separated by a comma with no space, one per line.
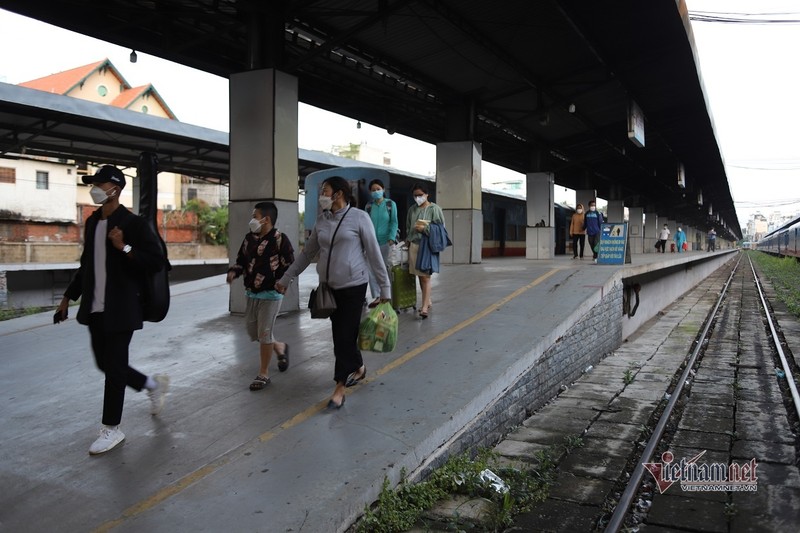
(328,267)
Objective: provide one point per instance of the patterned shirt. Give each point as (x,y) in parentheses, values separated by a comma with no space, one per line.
(263,260)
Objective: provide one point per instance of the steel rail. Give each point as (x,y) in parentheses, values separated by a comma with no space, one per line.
(625,500)
(784,362)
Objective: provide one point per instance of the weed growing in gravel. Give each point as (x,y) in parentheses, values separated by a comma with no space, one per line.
(784,274)
(628,377)
(401,508)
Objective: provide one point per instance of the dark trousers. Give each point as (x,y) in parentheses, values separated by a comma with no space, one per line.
(592,242)
(111,355)
(576,240)
(662,245)
(344,326)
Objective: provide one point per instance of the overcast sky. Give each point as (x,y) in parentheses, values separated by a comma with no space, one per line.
(751,88)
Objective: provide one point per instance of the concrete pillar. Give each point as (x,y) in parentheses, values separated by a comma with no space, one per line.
(651,228)
(616,211)
(458,193)
(636,229)
(540,234)
(584,196)
(263,161)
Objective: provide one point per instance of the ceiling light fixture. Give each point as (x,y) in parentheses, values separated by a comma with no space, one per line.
(133,56)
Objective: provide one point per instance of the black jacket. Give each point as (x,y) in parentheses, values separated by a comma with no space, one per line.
(124,275)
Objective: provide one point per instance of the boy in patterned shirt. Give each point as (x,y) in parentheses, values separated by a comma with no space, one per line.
(263,258)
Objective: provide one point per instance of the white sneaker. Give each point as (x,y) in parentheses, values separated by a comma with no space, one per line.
(108,440)
(158,394)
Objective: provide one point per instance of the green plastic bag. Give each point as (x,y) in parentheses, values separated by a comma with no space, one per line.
(378,331)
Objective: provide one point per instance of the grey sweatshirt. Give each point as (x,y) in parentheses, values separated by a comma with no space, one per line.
(354,251)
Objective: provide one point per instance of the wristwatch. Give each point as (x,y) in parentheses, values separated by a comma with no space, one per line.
(127,248)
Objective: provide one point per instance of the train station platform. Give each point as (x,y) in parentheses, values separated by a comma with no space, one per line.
(502,337)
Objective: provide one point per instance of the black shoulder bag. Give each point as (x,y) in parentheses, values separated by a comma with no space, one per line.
(321,300)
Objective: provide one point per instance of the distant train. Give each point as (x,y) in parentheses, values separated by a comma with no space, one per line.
(783,242)
(504,215)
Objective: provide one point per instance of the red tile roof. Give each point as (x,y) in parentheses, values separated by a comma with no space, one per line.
(63,82)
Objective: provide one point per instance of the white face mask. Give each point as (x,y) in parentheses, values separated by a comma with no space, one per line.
(99,196)
(580,211)
(592,208)
(255,225)
(325,202)
(421,199)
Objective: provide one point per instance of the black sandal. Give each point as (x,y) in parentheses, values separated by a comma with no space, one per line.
(259,383)
(354,379)
(283,359)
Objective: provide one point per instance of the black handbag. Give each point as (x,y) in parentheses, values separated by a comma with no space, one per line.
(321,301)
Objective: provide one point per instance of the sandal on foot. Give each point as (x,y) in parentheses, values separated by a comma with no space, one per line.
(354,378)
(259,382)
(283,359)
(334,405)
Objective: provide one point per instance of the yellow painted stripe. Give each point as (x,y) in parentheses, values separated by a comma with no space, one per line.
(302,416)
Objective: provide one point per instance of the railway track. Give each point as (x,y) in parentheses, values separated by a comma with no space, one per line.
(739,348)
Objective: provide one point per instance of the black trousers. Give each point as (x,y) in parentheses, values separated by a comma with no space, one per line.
(344,326)
(593,239)
(576,240)
(111,355)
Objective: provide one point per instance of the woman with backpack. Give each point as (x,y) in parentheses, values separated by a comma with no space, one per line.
(383,213)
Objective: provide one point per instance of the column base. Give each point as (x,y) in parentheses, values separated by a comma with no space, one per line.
(465,227)
(539,243)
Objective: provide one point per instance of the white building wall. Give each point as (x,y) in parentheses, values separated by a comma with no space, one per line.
(54,204)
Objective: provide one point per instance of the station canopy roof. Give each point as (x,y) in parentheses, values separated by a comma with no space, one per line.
(542,85)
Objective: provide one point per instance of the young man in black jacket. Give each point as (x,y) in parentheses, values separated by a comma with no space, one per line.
(119,249)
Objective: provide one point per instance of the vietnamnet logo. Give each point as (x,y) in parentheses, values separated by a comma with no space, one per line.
(695,476)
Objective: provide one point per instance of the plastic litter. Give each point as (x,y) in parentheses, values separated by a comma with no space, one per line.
(780,373)
(496,483)
(589,368)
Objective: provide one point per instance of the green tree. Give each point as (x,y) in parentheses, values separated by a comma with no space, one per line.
(212,222)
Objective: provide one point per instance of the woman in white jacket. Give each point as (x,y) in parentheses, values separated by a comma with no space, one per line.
(352,253)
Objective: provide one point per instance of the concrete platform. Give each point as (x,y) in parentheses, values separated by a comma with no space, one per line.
(223,458)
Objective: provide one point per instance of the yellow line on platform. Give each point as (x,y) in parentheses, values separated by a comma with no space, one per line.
(304,415)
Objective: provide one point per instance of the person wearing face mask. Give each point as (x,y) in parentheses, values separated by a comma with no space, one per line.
(383,213)
(663,237)
(119,249)
(577,231)
(418,222)
(592,223)
(263,258)
(680,240)
(351,252)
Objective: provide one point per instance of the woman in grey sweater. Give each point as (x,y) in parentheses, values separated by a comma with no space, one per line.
(352,253)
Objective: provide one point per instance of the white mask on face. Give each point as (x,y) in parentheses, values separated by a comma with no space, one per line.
(580,211)
(325,202)
(255,225)
(421,199)
(592,208)
(99,196)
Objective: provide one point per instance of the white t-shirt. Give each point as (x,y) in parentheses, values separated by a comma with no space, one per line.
(664,235)
(99,295)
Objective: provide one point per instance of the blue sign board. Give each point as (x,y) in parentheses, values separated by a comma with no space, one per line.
(613,246)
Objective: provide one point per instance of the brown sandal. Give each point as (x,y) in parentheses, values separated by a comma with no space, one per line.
(259,383)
